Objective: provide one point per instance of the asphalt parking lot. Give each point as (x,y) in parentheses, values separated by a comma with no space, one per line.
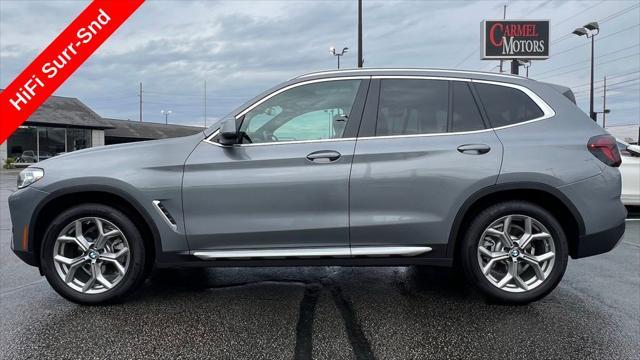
(324,313)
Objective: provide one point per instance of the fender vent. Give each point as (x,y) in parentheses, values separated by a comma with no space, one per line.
(165,214)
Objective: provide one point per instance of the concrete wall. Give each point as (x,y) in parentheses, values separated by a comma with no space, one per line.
(97,138)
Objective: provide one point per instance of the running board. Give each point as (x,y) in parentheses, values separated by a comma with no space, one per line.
(343,251)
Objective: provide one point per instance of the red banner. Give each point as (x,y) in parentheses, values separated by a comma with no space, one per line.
(60,59)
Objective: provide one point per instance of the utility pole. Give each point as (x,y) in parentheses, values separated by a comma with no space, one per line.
(604,104)
(360,60)
(140,96)
(504,17)
(591,113)
(205,103)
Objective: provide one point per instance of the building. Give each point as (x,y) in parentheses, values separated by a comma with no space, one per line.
(64,124)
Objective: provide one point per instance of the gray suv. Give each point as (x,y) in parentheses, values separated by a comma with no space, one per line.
(502,176)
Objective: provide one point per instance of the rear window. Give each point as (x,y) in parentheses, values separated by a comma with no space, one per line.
(506,105)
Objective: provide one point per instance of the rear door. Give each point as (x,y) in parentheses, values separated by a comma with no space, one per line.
(422,150)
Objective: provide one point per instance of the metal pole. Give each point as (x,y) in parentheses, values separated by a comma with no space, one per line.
(504,16)
(604,104)
(338,56)
(360,61)
(140,101)
(591,113)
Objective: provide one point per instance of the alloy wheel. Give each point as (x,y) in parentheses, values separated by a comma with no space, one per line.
(91,255)
(516,253)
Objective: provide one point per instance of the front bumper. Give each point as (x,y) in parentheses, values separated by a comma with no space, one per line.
(598,243)
(23,204)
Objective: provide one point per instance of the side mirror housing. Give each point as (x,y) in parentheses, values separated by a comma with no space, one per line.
(228,133)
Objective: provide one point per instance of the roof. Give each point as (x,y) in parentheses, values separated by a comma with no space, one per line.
(66,112)
(147,130)
(405,71)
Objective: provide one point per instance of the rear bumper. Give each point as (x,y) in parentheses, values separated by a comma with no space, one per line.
(598,243)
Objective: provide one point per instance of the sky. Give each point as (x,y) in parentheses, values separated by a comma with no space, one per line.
(244,47)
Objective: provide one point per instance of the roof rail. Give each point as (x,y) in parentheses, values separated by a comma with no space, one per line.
(328,72)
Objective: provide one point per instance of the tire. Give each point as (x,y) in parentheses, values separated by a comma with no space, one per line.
(527,286)
(93,277)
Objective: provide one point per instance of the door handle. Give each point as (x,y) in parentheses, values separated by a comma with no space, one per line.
(474,149)
(324,156)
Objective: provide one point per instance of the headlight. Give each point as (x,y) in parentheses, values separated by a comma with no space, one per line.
(28,176)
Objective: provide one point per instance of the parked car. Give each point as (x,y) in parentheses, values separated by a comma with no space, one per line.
(501,175)
(630,170)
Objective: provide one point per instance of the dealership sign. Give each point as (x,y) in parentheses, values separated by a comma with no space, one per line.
(515,39)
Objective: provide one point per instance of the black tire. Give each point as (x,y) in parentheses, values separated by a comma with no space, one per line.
(469,251)
(136,269)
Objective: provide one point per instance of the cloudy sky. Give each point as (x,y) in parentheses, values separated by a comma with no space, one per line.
(243,47)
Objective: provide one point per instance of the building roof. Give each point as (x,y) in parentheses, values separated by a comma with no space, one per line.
(147,130)
(66,112)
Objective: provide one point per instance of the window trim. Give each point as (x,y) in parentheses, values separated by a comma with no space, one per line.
(291,86)
(547,110)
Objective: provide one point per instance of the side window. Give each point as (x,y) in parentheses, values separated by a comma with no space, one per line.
(465,114)
(307,112)
(412,107)
(505,105)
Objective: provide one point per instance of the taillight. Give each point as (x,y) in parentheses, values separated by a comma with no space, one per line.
(605,148)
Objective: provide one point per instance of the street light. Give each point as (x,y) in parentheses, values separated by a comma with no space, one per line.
(332,51)
(166,115)
(590,31)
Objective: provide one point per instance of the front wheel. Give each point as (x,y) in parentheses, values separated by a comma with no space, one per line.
(515,252)
(93,253)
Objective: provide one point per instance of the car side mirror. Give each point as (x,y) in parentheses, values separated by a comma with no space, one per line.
(634,150)
(229,134)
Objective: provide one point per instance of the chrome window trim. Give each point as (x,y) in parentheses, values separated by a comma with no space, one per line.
(252,106)
(547,110)
(407,70)
(334,251)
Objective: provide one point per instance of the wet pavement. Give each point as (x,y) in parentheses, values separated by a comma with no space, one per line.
(324,313)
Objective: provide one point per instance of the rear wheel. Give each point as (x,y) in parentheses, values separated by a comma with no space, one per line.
(93,253)
(515,252)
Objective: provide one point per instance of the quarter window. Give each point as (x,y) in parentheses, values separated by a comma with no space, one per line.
(412,107)
(307,112)
(506,105)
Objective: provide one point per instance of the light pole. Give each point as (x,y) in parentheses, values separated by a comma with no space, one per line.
(590,31)
(166,114)
(332,51)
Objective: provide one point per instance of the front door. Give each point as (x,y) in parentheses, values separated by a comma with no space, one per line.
(426,152)
(286,185)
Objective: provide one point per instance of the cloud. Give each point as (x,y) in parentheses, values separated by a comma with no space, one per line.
(243,47)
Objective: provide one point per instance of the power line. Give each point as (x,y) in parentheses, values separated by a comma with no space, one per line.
(608,77)
(608,85)
(602,63)
(597,40)
(588,60)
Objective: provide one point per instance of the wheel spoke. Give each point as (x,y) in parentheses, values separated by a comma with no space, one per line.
(80,240)
(532,261)
(505,280)
(101,279)
(114,256)
(115,263)
(89,283)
